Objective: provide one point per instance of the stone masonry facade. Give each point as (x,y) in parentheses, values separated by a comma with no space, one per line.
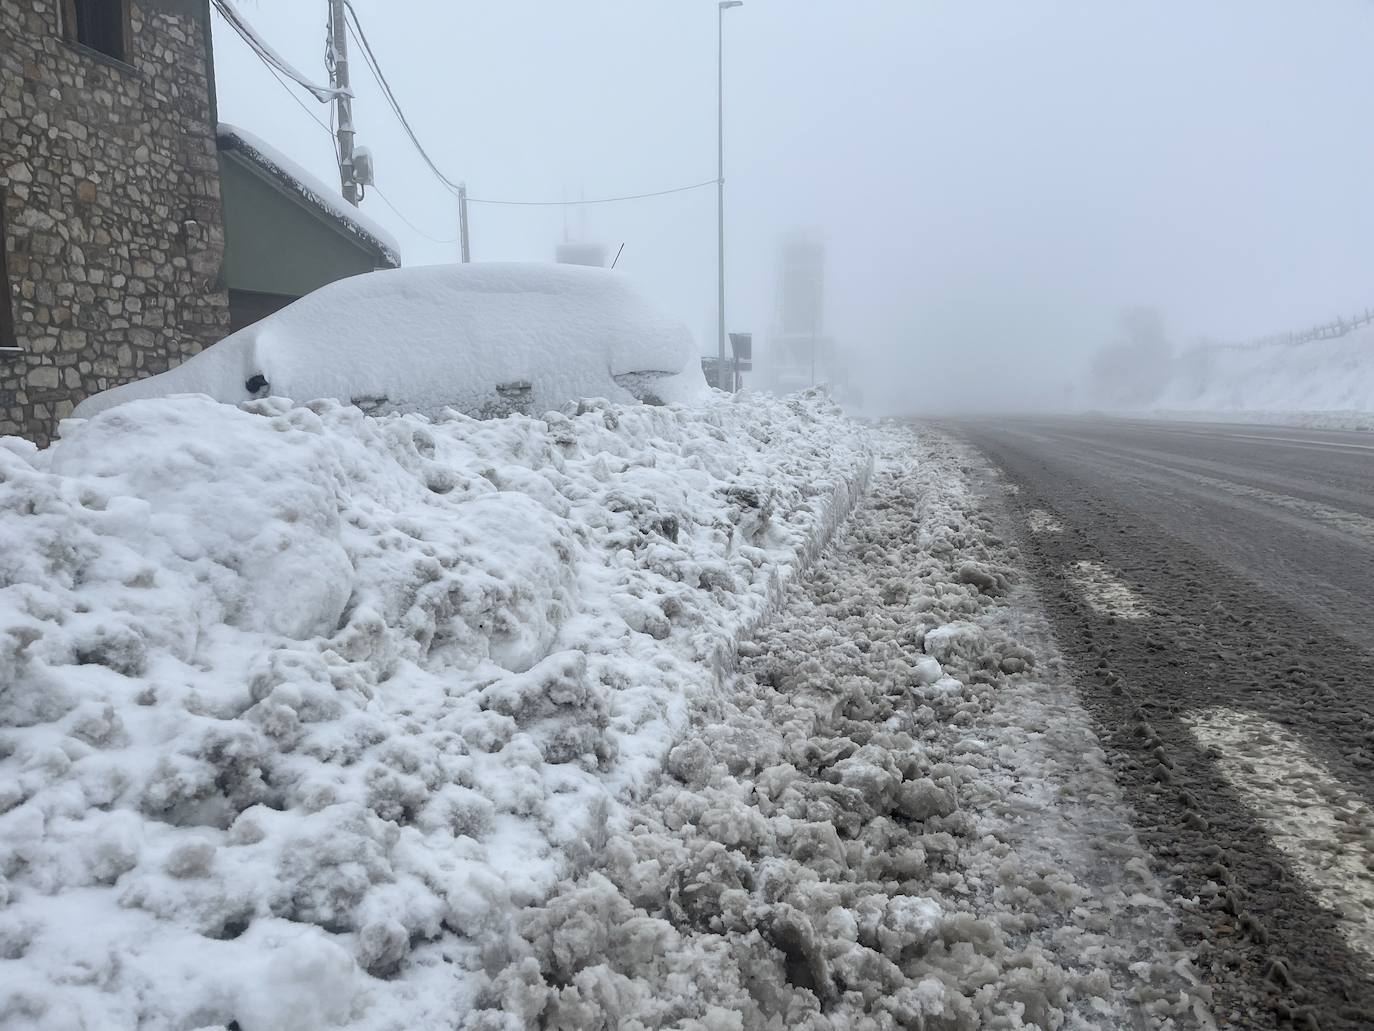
(112,204)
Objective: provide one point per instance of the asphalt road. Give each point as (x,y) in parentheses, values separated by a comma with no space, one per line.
(1214,587)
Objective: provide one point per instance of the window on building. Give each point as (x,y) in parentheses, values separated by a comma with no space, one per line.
(102,25)
(7,338)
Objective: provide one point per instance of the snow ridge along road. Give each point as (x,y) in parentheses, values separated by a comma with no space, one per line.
(1238,713)
(298,707)
(896,816)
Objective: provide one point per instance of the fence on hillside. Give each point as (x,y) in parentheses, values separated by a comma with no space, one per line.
(1326,331)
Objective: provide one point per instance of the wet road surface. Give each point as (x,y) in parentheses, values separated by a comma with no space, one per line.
(1214,586)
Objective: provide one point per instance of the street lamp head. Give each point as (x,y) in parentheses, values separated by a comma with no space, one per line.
(725,5)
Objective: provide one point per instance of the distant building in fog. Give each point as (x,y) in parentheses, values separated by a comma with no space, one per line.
(798,352)
(597,255)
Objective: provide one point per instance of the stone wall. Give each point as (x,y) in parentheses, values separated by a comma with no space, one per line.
(113,205)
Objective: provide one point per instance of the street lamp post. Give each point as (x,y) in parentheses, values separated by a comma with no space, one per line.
(725,5)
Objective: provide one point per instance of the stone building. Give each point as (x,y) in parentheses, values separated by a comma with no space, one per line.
(110,193)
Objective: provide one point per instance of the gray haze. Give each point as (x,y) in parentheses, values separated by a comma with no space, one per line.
(995,181)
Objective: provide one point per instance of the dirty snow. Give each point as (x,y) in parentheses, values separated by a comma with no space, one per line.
(300,707)
(487,339)
(1106,592)
(897,815)
(1041,521)
(1324,827)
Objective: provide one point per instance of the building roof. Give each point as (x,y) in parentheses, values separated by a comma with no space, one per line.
(305,188)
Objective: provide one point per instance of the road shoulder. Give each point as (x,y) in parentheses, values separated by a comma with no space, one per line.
(896,814)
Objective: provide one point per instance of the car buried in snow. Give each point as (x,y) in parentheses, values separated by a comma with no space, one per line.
(487,339)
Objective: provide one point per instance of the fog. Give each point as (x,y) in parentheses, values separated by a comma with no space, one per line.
(995,183)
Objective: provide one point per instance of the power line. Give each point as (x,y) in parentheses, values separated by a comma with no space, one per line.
(330,132)
(356,28)
(598,200)
(283,83)
(413,226)
(301,103)
(264,51)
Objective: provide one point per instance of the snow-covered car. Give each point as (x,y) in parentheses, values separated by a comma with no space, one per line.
(485,339)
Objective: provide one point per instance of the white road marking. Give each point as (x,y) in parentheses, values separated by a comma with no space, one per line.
(1336,519)
(1295,440)
(1325,829)
(1106,592)
(1042,522)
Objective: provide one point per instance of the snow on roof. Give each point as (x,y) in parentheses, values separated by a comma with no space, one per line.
(478,338)
(310,189)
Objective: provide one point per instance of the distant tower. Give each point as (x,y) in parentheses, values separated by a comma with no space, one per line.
(800,354)
(580,251)
(803,285)
(597,254)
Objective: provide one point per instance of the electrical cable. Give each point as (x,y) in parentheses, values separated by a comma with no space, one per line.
(313,117)
(412,225)
(274,63)
(356,30)
(260,47)
(290,92)
(597,200)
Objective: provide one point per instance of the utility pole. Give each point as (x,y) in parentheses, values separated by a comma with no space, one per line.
(813,350)
(463,222)
(817,286)
(721,374)
(338,42)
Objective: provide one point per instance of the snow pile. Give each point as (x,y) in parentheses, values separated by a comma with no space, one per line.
(899,818)
(301,706)
(486,339)
(1321,376)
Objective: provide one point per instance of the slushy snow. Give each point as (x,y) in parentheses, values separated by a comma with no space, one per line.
(898,816)
(485,339)
(318,719)
(301,707)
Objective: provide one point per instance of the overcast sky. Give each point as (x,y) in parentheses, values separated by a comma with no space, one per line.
(994,180)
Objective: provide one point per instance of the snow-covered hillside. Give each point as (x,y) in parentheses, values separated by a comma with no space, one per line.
(1324,381)
(300,706)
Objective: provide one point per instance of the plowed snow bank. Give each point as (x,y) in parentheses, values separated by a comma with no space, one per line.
(899,817)
(299,706)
